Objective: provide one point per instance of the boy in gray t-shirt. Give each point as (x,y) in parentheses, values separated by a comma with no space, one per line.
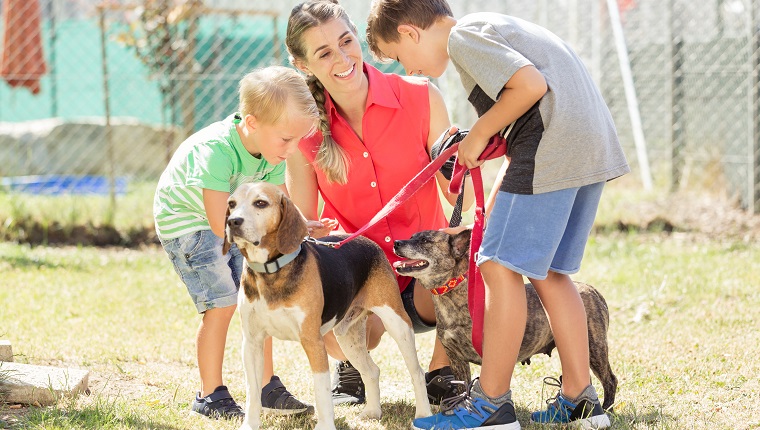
(528,85)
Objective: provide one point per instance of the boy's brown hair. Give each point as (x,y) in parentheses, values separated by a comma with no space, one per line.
(386,15)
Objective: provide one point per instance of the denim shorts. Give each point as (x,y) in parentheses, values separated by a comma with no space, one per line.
(212,279)
(407,296)
(537,233)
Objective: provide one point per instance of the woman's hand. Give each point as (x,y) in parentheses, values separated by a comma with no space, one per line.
(456,230)
(321,228)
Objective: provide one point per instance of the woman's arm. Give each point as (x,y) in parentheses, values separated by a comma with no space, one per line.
(439,121)
(495,189)
(303,189)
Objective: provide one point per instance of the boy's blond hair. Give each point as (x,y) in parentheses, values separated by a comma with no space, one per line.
(331,158)
(269,92)
(386,15)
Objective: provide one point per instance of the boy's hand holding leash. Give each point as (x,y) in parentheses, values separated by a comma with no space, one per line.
(470,149)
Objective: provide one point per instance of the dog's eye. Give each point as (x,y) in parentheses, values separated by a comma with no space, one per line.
(232,204)
(260,204)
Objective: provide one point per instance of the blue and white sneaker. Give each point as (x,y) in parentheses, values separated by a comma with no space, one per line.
(471,410)
(583,412)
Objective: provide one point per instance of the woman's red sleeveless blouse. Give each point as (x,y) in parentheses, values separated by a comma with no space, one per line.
(396,125)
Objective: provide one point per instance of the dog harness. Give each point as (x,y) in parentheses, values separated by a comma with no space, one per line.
(275,265)
(453,283)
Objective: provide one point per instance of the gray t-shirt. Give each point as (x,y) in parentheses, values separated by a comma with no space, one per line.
(568,138)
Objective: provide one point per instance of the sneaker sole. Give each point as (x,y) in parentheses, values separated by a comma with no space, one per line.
(593,423)
(282,412)
(513,426)
(215,417)
(596,422)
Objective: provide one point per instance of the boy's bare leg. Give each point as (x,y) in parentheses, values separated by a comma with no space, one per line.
(506,310)
(210,342)
(567,318)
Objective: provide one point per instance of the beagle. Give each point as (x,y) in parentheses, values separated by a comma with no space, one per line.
(298,290)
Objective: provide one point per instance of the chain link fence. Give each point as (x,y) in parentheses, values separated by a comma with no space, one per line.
(95,96)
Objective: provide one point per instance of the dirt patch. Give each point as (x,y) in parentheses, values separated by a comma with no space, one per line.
(712,217)
(36,233)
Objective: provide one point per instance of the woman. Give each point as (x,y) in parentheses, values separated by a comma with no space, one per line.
(376,132)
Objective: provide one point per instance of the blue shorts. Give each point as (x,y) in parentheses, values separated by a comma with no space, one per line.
(212,279)
(532,234)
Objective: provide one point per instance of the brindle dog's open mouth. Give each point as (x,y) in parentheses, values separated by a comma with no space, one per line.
(409,266)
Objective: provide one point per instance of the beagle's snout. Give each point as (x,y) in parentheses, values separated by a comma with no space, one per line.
(235,222)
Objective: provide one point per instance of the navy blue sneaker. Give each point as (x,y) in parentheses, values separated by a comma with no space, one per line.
(277,400)
(471,410)
(584,412)
(218,404)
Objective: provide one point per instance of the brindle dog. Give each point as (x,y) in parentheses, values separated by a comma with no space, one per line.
(435,257)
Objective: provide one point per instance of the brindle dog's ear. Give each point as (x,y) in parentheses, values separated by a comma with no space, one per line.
(460,243)
(226,246)
(292,227)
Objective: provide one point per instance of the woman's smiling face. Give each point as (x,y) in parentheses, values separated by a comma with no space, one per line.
(333,56)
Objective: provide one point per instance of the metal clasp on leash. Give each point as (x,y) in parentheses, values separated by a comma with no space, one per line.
(321,242)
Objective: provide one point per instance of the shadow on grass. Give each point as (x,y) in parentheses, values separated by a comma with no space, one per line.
(630,419)
(620,421)
(98,416)
(395,415)
(25,262)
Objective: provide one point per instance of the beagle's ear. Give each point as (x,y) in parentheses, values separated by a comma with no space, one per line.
(460,243)
(226,246)
(292,227)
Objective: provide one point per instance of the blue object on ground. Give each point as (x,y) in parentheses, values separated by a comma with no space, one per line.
(64,184)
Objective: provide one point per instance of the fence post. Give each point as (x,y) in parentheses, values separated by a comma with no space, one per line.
(630,94)
(107,107)
(188,76)
(753,192)
(677,140)
(51,10)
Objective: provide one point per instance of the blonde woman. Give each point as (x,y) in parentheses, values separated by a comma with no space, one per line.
(375,133)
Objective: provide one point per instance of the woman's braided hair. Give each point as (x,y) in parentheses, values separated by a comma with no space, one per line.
(331,158)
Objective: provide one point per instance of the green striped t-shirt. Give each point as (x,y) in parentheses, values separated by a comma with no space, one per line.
(212,158)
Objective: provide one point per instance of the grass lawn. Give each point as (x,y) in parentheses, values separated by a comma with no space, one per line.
(684,336)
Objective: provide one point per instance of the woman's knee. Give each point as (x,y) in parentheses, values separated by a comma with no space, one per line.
(423,304)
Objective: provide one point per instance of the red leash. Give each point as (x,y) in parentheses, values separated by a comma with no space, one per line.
(403,195)
(476,294)
(475,290)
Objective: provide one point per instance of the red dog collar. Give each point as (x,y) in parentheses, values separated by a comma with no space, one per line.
(453,283)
